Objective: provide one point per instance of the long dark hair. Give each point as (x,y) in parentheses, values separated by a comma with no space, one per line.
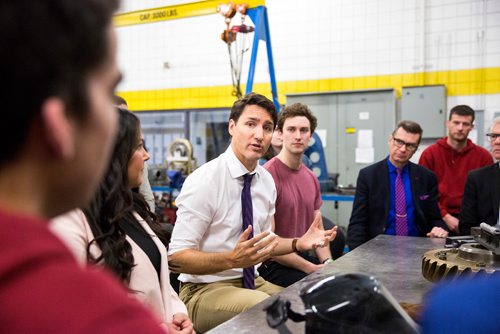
(115,202)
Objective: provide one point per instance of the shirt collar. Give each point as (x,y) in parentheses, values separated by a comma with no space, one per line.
(236,168)
(392,168)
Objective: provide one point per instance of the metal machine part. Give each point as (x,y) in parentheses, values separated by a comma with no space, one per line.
(488,236)
(468,259)
(455,242)
(157,175)
(180,156)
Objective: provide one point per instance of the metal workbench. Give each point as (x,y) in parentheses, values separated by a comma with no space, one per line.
(395,261)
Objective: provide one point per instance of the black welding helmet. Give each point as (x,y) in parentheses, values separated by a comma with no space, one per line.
(348,303)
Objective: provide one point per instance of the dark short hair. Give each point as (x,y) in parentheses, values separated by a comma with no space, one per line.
(253,99)
(462,110)
(48,55)
(294,110)
(118,101)
(410,127)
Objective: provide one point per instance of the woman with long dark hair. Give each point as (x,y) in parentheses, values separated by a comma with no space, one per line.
(118,230)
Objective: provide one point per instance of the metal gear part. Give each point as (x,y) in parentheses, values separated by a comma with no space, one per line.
(467,260)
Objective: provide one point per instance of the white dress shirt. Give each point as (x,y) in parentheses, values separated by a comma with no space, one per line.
(209,215)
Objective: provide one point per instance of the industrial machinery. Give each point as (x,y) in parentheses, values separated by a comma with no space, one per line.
(180,163)
(317,163)
(471,255)
(180,157)
(166,180)
(236,37)
(157,175)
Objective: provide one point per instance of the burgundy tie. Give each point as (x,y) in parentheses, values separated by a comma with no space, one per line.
(247,214)
(400,205)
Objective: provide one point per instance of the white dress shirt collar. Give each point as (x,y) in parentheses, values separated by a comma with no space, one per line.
(235,166)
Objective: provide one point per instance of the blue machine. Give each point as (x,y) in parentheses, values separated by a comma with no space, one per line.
(316,156)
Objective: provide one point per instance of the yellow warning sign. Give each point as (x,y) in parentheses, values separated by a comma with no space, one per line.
(175,12)
(350,130)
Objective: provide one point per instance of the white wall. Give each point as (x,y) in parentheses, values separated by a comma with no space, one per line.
(320,39)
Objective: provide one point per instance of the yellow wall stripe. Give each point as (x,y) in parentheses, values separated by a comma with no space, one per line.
(175,12)
(457,82)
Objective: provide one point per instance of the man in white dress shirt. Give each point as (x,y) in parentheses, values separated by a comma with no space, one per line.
(209,245)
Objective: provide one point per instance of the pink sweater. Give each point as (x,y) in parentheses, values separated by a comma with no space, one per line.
(159,296)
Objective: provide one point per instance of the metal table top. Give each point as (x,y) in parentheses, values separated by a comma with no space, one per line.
(395,261)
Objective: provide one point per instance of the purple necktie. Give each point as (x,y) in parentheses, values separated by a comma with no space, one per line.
(400,205)
(247,214)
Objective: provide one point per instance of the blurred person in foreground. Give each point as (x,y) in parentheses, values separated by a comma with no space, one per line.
(464,305)
(58,131)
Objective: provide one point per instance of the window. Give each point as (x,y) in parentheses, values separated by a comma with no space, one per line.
(206,130)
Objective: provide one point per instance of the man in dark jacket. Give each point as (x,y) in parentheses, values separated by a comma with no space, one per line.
(482,190)
(395,196)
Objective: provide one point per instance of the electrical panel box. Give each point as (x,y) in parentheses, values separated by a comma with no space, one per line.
(354,127)
(425,105)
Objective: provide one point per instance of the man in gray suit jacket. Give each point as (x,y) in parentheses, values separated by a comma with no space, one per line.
(374,210)
(482,189)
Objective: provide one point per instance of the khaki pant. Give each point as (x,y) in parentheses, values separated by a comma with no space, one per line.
(210,304)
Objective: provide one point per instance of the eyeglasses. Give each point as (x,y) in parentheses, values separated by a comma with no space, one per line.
(493,136)
(400,143)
